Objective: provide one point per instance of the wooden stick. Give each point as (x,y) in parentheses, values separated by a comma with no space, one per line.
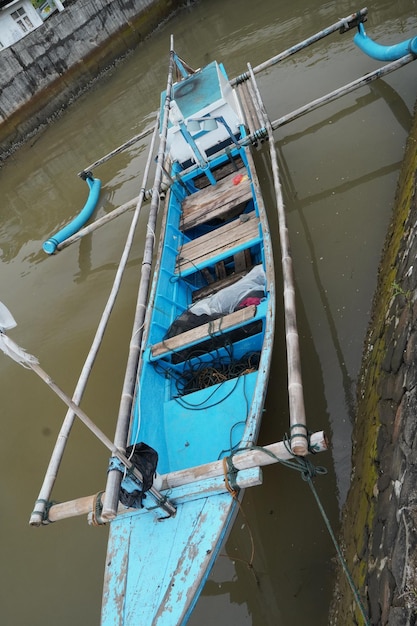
(98,223)
(266,455)
(247,459)
(261,133)
(57,454)
(342,23)
(34,365)
(111,154)
(295,384)
(114,478)
(342,91)
(196,490)
(252,123)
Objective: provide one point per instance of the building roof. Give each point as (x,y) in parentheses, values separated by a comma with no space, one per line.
(5,3)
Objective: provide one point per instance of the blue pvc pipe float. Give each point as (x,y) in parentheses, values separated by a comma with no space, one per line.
(79,220)
(384,53)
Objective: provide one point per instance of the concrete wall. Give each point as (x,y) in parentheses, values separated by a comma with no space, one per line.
(49,67)
(380,518)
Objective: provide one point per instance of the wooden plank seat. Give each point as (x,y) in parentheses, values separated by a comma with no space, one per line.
(220,172)
(216,201)
(199,333)
(225,241)
(216,286)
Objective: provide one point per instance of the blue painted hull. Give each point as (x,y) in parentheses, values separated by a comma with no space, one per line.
(201,391)
(155,590)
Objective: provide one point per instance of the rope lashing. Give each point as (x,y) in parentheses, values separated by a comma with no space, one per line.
(304,435)
(44,513)
(230,476)
(95,518)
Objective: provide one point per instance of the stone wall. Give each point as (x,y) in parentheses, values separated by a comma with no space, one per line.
(380,518)
(49,67)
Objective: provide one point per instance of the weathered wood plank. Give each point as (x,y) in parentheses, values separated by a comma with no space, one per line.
(225,241)
(215,201)
(267,455)
(215,286)
(204,331)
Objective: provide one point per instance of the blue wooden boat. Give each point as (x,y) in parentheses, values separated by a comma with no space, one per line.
(205,358)
(184,451)
(199,362)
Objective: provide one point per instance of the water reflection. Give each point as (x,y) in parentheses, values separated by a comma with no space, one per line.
(339,168)
(331,344)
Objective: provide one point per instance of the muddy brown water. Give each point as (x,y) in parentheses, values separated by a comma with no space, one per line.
(339,170)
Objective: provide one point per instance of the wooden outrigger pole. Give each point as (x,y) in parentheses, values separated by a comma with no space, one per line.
(246,459)
(114,477)
(41,503)
(298,427)
(118,150)
(343,91)
(101,221)
(342,25)
(18,354)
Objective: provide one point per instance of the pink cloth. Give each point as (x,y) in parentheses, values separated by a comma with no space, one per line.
(248,302)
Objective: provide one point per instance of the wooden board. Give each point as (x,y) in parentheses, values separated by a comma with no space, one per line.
(215,201)
(217,285)
(223,242)
(204,331)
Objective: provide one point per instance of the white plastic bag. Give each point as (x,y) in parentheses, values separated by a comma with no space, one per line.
(226,300)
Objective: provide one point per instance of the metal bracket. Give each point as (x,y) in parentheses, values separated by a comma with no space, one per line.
(353,23)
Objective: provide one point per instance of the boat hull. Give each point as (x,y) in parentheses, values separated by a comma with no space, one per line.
(202,380)
(162,564)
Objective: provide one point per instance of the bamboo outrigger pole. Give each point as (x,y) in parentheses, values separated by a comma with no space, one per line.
(113,153)
(37,516)
(123,208)
(114,477)
(343,25)
(245,459)
(298,438)
(18,354)
(343,91)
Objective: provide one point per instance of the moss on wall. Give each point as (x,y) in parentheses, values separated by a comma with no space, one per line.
(389,304)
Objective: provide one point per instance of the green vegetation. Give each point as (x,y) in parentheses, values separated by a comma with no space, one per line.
(359,513)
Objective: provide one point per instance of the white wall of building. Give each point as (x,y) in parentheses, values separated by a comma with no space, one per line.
(17,19)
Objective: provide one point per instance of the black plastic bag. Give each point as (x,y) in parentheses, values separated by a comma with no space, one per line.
(145,459)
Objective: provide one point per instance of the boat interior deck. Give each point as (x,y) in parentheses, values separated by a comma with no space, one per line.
(197,361)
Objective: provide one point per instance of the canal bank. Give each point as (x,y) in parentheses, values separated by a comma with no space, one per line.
(38,298)
(47,69)
(379,534)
